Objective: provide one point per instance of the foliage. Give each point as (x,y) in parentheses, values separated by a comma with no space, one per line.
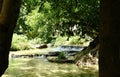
(62,55)
(48,19)
(26,8)
(73,40)
(20,42)
(76,40)
(35,41)
(82,14)
(60,41)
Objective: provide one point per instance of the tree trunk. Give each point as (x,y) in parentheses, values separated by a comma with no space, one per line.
(9,10)
(1,1)
(109,55)
(92,49)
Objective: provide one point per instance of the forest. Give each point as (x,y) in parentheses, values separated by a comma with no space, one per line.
(32,28)
(47,21)
(58,23)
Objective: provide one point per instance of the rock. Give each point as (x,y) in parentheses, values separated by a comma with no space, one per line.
(42,46)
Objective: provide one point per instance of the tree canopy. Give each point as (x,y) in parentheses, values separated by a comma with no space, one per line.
(48,19)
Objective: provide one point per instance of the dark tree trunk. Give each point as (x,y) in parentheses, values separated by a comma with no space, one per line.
(109,55)
(9,10)
(1,1)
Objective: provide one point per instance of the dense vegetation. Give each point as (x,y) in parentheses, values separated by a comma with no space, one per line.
(47,20)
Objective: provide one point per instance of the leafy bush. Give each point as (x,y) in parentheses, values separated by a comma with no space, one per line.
(19,42)
(62,55)
(35,41)
(60,41)
(74,40)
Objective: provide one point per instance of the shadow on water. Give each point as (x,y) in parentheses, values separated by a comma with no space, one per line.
(41,68)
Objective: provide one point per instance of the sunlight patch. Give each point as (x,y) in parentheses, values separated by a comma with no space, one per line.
(26,68)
